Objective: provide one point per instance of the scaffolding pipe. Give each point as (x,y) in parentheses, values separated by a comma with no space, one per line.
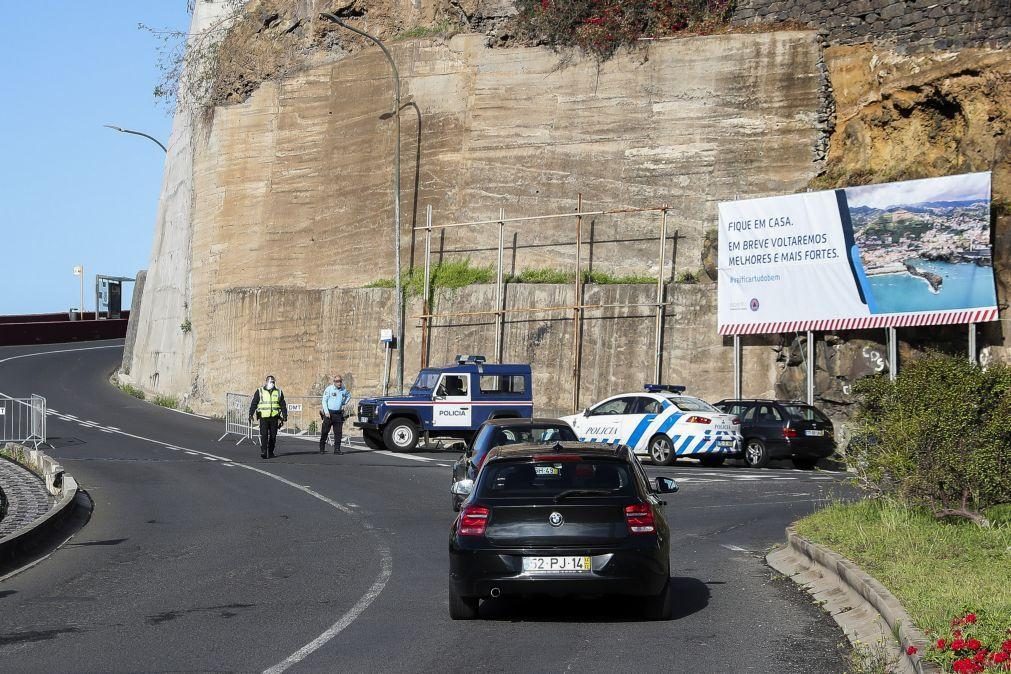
(538,310)
(552,216)
(810,367)
(499,315)
(577,309)
(427,317)
(973,354)
(658,338)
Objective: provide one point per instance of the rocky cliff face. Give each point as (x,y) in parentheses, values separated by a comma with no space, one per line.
(278,206)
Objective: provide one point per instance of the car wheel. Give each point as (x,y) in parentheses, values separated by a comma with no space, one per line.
(660,607)
(457,502)
(372,439)
(712,461)
(401,435)
(755,453)
(804,463)
(462,608)
(661,450)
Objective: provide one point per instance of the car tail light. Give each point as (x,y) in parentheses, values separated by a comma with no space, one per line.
(790,432)
(473,520)
(639,518)
(736,421)
(699,420)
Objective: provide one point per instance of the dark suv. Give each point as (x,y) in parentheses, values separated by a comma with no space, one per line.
(776,429)
(574,518)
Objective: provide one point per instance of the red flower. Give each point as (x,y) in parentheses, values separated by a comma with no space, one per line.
(957,645)
(1000,657)
(1006,646)
(973,644)
(941,643)
(969,619)
(911,650)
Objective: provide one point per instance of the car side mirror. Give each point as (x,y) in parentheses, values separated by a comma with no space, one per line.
(586,412)
(666,485)
(462,488)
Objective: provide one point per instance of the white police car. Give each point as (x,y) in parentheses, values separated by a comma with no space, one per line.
(662,423)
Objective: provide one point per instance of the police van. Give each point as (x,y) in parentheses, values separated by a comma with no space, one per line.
(662,424)
(447,402)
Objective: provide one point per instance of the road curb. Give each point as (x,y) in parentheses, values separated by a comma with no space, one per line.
(865,610)
(64,487)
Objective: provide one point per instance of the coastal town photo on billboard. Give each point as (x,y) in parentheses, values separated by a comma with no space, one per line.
(915,252)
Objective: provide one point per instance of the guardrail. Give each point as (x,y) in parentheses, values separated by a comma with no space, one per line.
(23,420)
(303,417)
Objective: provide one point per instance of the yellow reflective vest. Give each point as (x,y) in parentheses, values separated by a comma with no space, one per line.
(270,403)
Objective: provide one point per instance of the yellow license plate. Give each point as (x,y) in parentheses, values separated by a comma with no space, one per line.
(556,564)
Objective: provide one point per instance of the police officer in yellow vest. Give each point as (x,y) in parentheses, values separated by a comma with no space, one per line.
(269,407)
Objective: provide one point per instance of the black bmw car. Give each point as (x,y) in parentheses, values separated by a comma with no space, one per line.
(572,518)
(499,432)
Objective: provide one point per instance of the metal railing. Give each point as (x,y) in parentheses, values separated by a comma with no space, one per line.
(303,417)
(23,420)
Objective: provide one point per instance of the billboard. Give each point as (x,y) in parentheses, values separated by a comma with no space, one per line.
(915,252)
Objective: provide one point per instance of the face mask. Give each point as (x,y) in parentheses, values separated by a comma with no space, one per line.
(270,386)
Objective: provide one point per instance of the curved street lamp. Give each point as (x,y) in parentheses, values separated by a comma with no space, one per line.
(395,113)
(136,133)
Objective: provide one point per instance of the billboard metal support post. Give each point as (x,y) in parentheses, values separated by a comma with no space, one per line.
(737,367)
(893,354)
(810,367)
(658,366)
(499,294)
(973,355)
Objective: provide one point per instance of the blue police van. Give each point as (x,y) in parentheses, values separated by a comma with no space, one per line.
(447,402)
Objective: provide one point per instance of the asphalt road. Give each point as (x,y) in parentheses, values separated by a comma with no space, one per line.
(199,556)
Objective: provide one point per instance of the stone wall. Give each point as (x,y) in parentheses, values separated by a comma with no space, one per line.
(302,336)
(915,25)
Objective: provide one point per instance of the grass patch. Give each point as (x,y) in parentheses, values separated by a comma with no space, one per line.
(935,568)
(687,277)
(444,28)
(166,401)
(129,389)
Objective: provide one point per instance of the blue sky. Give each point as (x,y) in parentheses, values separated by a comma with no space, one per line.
(71,191)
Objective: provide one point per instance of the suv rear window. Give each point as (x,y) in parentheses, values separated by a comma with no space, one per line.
(492,384)
(805,413)
(549,478)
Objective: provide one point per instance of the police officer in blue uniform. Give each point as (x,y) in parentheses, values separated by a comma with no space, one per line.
(270,408)
(335,398)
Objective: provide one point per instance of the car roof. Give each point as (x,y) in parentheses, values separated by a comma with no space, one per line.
(512,421)
(526,450)
(481,368)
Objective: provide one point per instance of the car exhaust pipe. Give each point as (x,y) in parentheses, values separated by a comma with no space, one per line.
(496,593)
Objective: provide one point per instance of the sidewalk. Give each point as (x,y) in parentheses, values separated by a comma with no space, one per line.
(27,498)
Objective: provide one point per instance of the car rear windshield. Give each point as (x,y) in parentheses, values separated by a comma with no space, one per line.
(805,413)
(553,478)
(692,405)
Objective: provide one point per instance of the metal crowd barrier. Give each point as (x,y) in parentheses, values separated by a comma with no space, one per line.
(303,417)
(23,420)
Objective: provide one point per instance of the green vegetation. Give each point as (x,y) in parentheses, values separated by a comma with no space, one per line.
(936,569)
(602,27)
(186,326)
(15,453)
(444,28)
(166,401)
(936,437)
(543,275)
(129,389)
(687,277)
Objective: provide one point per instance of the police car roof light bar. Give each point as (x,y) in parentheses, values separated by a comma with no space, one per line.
(657,388)
(468,359)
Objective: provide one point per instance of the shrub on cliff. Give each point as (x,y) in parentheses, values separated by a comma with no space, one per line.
(601,27)
(937,436)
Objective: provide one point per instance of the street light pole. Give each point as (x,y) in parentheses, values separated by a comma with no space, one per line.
(396,193)
(136,133)
(79,271)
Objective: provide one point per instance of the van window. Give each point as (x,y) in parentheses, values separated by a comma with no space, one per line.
(493,384)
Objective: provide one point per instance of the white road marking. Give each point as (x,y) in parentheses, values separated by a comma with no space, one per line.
(444,465)
(784,478)
(228,465)
(404,456)
(734,548)
(192,453)
(386,557)
(210,458)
